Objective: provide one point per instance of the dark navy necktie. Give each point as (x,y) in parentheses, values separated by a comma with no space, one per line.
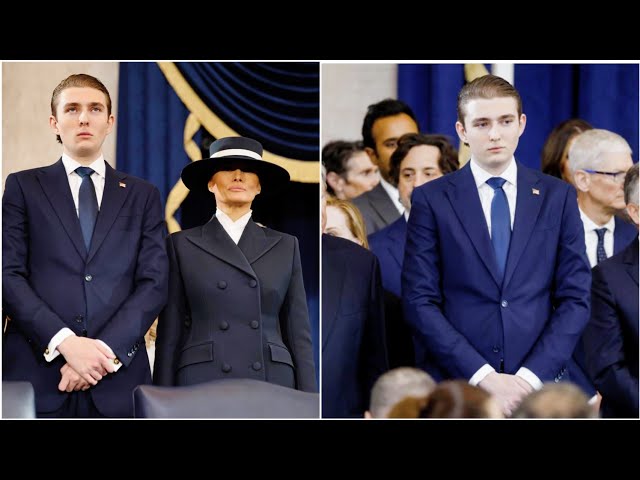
(87,204)
(500,222)
(600,252)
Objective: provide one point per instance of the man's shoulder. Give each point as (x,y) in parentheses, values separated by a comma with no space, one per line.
(127,179)
(30,172)
(387,234)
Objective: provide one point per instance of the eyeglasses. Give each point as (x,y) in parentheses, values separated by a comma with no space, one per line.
(617,177)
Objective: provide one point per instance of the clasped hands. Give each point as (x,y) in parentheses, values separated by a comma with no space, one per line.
(88,361)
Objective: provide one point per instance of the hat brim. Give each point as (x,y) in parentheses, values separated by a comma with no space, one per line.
(196,175)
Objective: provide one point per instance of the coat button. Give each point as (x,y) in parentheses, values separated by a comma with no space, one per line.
(496,349)
(504,304)
(88,278)
(79,318)
(222,284)
(257,366)
(254,324)
(129,354)
(224,326)
(226,368)
(253,283)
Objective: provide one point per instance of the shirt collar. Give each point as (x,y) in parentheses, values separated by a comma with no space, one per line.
(591,225)
(97,165)
(225,220)
(480,175)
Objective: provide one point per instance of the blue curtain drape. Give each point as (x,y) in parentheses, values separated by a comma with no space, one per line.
(605,95)
(275,103)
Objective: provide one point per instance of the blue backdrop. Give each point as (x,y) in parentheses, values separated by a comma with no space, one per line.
(169,113)
(604,95)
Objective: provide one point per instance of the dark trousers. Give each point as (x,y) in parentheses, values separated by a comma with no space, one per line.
(78,405)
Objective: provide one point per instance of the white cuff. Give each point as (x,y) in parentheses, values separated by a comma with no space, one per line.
(531,378)
(52,349)
(116,364)
(484,370)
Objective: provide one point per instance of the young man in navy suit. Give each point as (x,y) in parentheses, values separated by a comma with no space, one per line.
(495,278)
(611,337)
(84,267)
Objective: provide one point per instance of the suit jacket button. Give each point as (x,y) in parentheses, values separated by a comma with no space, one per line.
(254,324)
(79,318)
(129,354)
(504,304)
(224,326)
(226,368)
(253,283)
(496,349)
(222,284)
(257,366)
(88,278)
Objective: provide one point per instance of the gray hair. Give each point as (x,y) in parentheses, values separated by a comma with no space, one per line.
(631,185)
(397,384)
(590,145)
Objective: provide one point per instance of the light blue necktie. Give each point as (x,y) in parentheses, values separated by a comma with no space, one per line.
(500,223)
(87,204)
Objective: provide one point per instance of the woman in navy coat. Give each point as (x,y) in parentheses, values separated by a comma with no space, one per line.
(237,306)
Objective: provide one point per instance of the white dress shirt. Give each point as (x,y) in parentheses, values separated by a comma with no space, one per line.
(591,237)
(393,193)
(233,229)
(75,181)
(485,191)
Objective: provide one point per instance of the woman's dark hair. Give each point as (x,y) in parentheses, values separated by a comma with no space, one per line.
(556,142)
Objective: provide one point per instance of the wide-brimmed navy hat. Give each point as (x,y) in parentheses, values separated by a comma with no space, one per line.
(230,153)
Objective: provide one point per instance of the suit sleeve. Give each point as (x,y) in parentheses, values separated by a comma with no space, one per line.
(373,355)
(604,350)
(570,297)
(422,294)
(34,317)
(170,323)
(294,320)
(132,320)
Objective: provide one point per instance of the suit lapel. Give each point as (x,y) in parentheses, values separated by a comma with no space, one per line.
(631,260)
(113,198)
(527,209)
(55,185)
(332,279)
(254,243)
(382,203)
(213,239)
(464,198)
(397,237)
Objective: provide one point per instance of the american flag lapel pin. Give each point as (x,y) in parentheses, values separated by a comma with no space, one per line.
(535,191)
(122,185)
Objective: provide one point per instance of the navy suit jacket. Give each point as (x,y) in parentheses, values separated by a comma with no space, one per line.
(353,335)
(388,245)
(452,296)
(611,337)
(623,235)
(49,281)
